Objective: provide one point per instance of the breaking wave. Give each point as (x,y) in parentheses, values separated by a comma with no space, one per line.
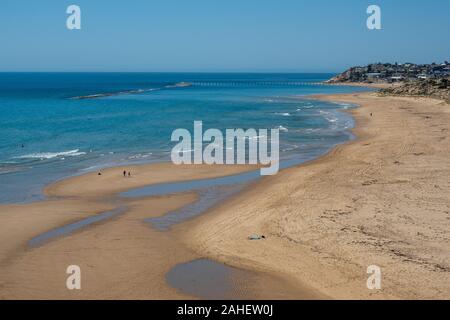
(51,155)
(284,114)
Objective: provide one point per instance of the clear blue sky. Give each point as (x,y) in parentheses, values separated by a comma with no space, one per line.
(225,35)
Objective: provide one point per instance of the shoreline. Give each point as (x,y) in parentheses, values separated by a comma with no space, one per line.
(105,192)
(193,239)
(297,243)
(102,194)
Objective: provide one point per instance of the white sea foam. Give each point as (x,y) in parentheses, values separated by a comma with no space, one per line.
(7,162)
(311,130)
(344,106)
(290,147)
(284,114)
(51,155)
(139,156)
(281,128)
(329,116)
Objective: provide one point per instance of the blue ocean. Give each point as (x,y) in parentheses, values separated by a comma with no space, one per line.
(55,125)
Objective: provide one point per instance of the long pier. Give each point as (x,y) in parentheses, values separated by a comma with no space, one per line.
(254,83)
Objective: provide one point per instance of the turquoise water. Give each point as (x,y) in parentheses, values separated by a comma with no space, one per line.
(58,124)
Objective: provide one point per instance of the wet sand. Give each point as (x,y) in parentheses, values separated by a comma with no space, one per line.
(117,248)
(121,258)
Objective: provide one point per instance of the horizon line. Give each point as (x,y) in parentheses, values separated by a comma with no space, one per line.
(204,72)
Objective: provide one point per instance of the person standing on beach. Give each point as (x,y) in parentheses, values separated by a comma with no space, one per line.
(124,173)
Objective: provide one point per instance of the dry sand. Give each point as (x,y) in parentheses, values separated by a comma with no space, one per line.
(381,200)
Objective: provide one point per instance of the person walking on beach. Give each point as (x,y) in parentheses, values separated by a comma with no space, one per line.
(129,174)
(124,173)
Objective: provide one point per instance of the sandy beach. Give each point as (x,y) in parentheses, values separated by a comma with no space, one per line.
(116,251)
(382,199)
